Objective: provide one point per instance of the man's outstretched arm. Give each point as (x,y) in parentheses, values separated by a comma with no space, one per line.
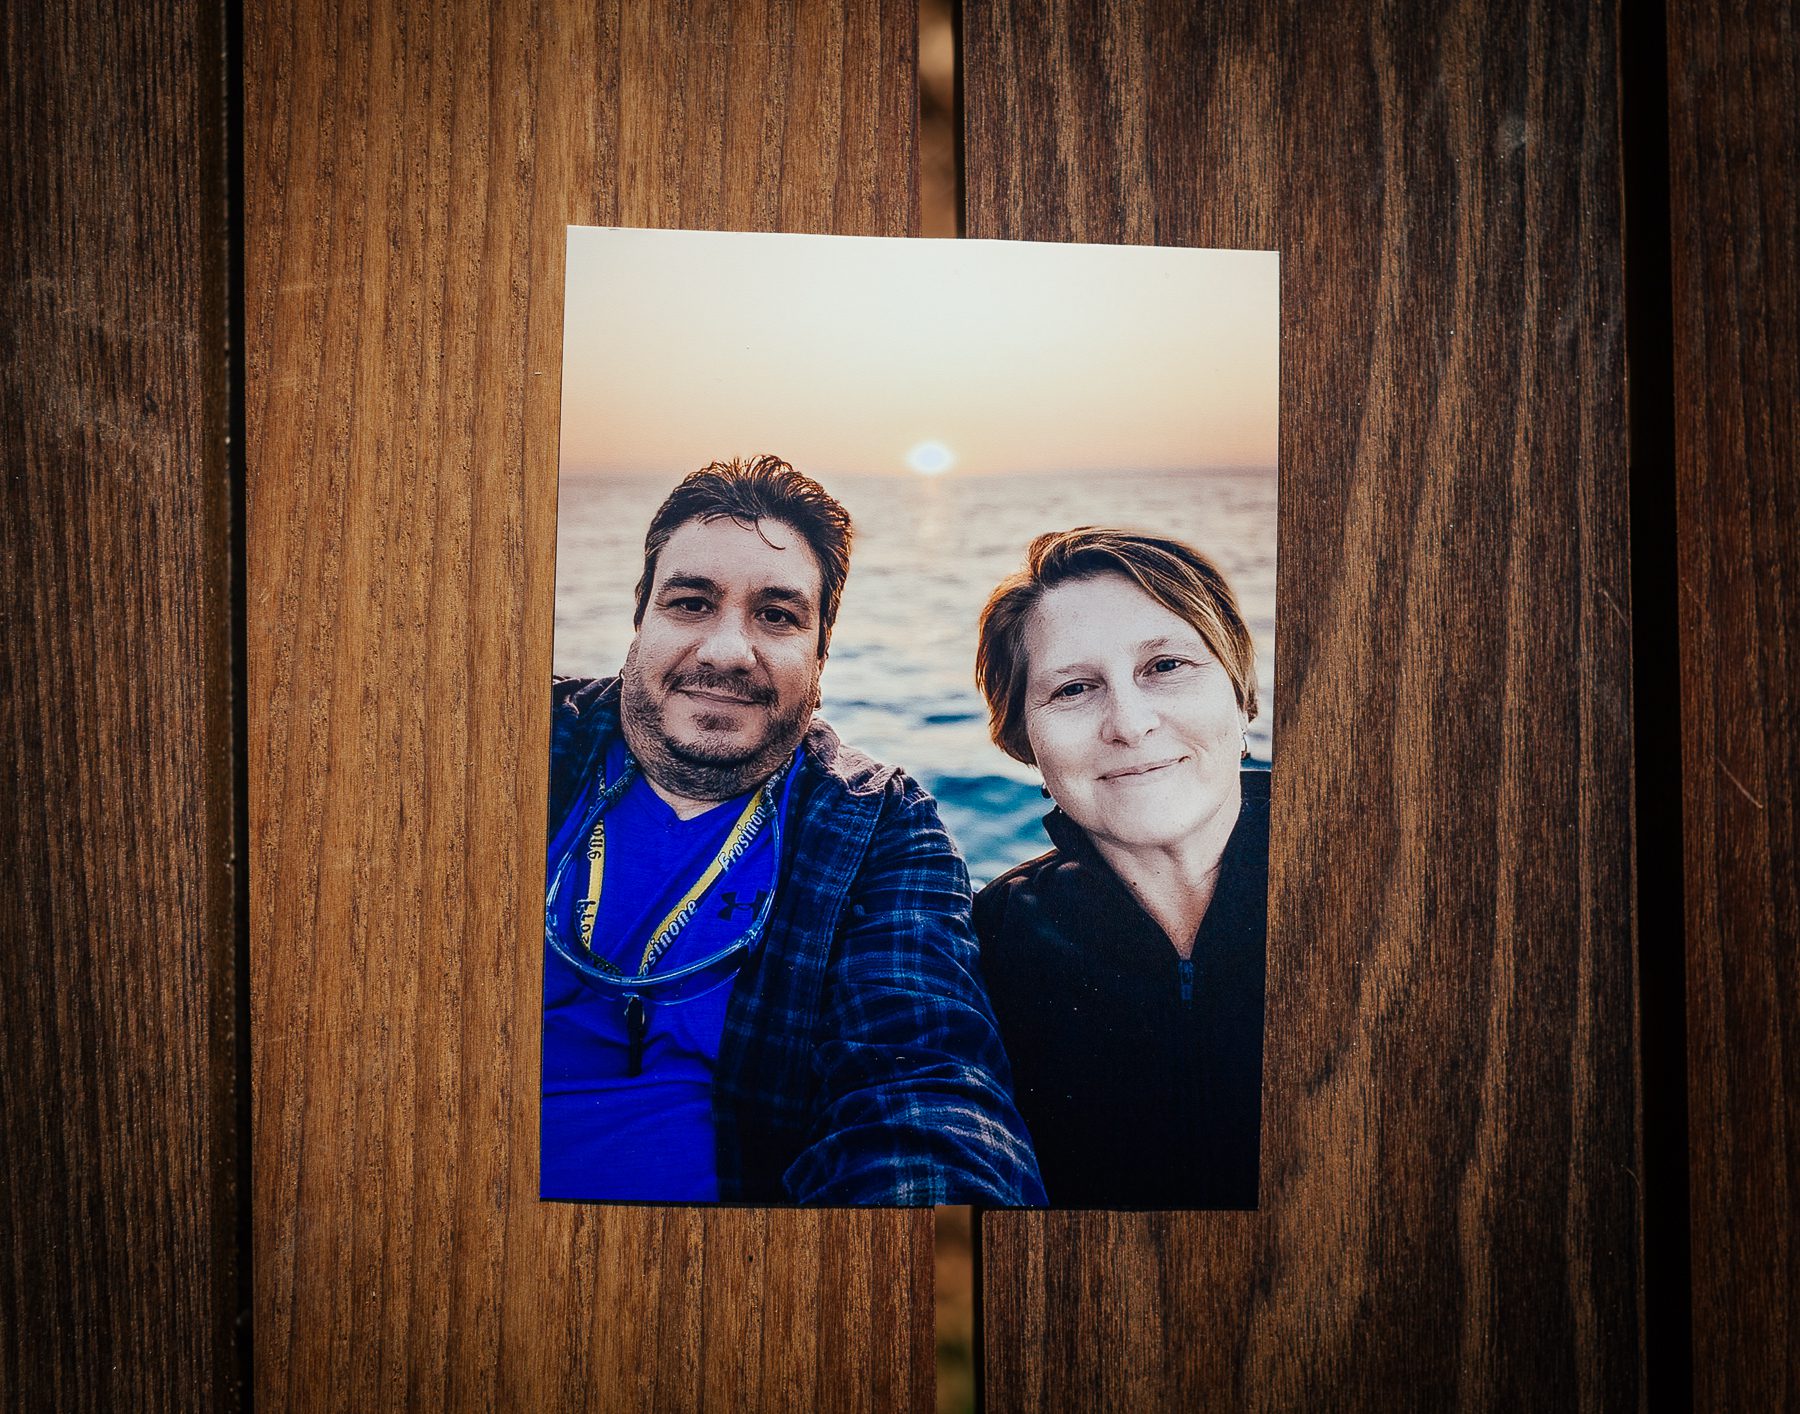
(915,1097)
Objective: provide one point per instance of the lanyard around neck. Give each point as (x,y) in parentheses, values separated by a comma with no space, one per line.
(757,810)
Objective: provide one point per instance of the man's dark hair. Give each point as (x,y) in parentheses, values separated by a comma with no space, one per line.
(763,488)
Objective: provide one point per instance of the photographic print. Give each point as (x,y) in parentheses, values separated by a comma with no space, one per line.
(910,747)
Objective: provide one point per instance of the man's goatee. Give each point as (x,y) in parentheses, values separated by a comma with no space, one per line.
(695,775)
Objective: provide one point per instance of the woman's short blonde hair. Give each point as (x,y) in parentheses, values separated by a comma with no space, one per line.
(1175,575)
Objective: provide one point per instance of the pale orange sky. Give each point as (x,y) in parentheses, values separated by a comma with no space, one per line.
(844,354)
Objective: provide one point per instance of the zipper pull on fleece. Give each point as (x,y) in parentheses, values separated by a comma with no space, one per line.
(1187,978)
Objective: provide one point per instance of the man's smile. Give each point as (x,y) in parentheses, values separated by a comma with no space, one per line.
(707,688)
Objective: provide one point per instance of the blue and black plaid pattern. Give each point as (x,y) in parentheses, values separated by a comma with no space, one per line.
(860,1062)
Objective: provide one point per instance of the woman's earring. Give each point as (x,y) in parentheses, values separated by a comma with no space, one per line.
(1044,791)
(1244,729)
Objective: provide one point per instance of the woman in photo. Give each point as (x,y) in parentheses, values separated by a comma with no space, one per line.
(1126,965)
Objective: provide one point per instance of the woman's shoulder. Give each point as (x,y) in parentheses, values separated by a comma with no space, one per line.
(994,893)
(1252,833)
(1023,891)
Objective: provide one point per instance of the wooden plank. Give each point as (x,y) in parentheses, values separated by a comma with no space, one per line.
(1735,258)
(118,1134)
(410,171)
(1450,1214)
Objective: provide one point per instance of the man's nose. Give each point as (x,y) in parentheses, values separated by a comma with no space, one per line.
(1129,715)
(727,646)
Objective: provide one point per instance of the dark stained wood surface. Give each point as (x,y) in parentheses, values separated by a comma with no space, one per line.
(1450,1208)
(118,1139)
(1735,244)
(410,171)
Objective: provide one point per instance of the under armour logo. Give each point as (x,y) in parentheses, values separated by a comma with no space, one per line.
(731,905)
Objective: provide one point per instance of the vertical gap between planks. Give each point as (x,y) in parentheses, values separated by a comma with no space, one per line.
(940,120)
(954,1296)
(941,188)
(237,579)
(1656,692)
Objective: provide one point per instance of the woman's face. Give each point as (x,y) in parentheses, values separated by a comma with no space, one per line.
(1133,721)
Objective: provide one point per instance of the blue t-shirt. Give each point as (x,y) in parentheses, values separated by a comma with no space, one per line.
(607,1134)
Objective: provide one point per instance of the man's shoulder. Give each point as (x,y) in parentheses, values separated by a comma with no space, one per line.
(842,769)
(583,713)
(851,796)
(582,697)
(581,706)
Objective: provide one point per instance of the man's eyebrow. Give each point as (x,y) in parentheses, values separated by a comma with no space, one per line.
(783,594)
(767,594)
(691,581)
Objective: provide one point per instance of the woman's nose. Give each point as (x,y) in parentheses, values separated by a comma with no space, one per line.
(1129,715)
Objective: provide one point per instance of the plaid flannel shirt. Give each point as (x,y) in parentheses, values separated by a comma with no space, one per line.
(860,1062)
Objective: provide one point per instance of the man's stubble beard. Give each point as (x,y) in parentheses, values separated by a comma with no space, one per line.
(695,776)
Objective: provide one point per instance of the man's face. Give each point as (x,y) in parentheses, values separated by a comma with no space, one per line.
(723,675)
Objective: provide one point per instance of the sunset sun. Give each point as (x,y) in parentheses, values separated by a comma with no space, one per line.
(931,459)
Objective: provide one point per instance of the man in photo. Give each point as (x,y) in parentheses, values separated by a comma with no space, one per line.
(760,979)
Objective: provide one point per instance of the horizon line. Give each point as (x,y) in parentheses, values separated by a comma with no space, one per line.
(901,474)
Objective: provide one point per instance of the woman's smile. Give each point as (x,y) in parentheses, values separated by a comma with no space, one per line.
(1149,768)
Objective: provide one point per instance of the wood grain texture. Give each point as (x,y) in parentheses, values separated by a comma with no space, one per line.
(1450,1213)
(1734,74)
(118,1141)
(410,172)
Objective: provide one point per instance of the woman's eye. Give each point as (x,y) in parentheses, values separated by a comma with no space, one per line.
(1166,665)
(1069,689)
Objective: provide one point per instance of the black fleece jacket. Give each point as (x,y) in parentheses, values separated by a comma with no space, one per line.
(1139,1077)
